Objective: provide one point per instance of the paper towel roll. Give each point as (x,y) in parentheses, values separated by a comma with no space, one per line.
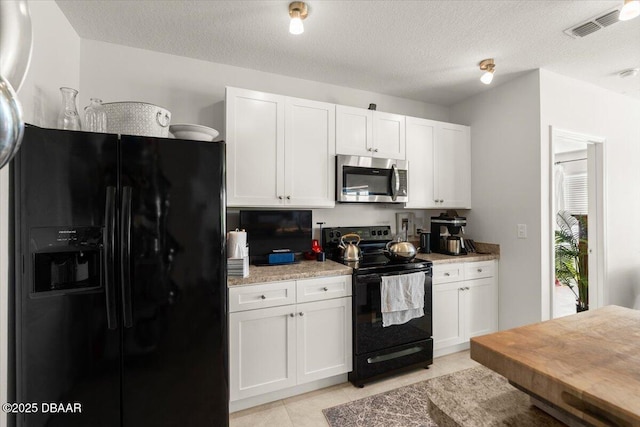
(237,244)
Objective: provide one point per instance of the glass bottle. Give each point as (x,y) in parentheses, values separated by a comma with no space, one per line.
(68,117)
(95,116)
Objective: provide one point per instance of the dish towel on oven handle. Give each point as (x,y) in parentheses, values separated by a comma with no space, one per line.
(402,298)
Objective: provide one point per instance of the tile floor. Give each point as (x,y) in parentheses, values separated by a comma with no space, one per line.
(305,410)
(564,301)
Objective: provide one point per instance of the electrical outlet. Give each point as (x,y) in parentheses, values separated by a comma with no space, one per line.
(522,231)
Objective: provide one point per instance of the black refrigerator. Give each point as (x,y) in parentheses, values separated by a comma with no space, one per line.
(119,269)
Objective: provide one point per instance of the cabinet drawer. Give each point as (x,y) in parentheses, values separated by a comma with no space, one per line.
(323,288)
(262,296)
(446,273)
(479,270)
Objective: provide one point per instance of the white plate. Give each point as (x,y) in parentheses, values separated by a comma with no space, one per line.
(194,132)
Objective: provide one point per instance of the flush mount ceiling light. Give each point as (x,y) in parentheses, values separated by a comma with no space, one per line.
(297,11)
(488,66)
(630,10)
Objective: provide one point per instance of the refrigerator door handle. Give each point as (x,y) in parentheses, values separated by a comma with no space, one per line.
(125,256)
(108,239)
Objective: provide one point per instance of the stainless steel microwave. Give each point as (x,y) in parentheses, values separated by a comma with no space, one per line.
(368,179)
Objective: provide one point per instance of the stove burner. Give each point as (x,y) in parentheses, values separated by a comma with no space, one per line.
(373,242)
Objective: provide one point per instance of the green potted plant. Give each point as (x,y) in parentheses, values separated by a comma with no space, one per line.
(571,257)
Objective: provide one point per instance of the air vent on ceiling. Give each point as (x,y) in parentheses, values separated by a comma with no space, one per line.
(609,18)
(594,24)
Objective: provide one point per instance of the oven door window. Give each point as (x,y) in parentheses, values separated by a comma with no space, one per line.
(359,181)
(371,336)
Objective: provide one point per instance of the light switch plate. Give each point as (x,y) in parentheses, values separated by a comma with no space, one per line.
(522,231)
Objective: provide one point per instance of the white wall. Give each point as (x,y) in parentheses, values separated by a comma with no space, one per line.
(193,90)
(505,188)
(573,105)
(55,62)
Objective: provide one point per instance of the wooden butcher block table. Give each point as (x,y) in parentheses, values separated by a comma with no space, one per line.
(586,365)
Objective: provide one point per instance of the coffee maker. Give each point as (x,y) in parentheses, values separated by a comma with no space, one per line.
(449,242)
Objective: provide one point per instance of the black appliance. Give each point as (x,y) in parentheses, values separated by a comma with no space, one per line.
(382,351)
(449,242)
(120,282)
(276,230)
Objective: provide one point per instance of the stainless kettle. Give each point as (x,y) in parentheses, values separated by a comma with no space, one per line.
(350,251)
(400,251)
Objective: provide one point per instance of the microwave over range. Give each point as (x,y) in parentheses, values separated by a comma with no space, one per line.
(368,179)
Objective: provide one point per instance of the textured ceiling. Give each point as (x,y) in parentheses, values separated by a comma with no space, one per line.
(423,50)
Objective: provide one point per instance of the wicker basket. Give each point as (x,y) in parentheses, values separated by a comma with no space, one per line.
(137,118)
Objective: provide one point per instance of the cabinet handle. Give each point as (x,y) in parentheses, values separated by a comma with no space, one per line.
(280,197)
(369,149)
(461,289)
(447,274)
(375,151)
(301,314)
(479,270)
(441,200)
(466,288)
(325,289)
(288,197)
(291,314)
(263,297)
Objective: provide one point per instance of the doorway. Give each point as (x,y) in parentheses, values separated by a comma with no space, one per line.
(576,222)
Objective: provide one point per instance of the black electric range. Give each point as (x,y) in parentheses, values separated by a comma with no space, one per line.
(381,351)
(373,241)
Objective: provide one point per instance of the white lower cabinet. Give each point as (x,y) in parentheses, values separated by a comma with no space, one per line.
(323,339)
(275,348)
(262,350)
(448,313)
(465,306)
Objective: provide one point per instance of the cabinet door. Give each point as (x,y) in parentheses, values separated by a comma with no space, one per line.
(324,339)
(481,310)
(453,166)
(448,315)
(389,136)
(255,148)
(354,131)
(261,351)
(420,146)
(310,149)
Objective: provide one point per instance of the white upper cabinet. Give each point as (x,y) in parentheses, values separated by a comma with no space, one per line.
(388,136)
(354,131)
(453,166)
(255,148)
(421,135)
(310,149)
(439,157)
(361,132)
(280,150)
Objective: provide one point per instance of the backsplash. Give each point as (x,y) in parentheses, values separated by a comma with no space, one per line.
(345,215)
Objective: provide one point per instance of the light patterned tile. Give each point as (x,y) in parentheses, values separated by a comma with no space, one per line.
(306,410)
(376,387)
(271,416)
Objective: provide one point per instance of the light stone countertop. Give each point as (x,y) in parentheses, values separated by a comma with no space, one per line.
(302,270)
(489,251)
(450,259)
(308,269)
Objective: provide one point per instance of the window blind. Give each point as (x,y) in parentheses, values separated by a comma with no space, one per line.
(576,196)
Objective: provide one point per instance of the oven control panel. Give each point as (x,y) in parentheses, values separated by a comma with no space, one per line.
(376,233)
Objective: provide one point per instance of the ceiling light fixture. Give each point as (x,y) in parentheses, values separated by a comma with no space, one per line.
(630,10)
(488,66)
(297,11)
